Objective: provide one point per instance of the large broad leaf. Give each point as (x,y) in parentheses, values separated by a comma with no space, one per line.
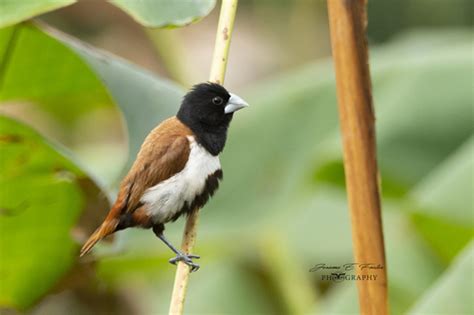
(163,13)
(452,293)
(69,80)
(53,77)
(444,192)
(14,11)
(144,99)
(150,13)
(43,194)
(413,106)
(55,91)
(442,204)
(66,83)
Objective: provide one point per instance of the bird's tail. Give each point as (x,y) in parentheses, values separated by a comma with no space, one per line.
(107,228)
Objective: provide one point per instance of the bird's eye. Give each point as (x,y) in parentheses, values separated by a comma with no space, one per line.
(217,100)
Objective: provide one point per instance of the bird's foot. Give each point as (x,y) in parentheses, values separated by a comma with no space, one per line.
(187,259)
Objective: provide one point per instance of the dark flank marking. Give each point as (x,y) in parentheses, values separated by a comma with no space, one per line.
(125,221)
(212,183)
(138,217)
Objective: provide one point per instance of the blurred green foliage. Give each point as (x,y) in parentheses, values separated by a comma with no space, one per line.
(16,11)
(150,13)
(166,13)
(282,207)
(449,295)
(387,18)
(33,78)
(43,195)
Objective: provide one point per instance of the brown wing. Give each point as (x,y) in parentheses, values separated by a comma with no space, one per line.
(164,153)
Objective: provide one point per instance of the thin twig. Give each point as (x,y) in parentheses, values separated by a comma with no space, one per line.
(348,20)
(218,67)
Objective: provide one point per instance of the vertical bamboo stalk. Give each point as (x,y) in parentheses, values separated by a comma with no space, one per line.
(218,68)
(348,20)
(223,36)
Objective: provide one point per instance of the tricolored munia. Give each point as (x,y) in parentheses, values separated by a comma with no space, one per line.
(177,168)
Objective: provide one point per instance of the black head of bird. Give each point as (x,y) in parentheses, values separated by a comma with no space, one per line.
(207,110)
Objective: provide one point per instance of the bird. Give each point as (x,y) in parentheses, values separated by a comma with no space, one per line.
(176,170)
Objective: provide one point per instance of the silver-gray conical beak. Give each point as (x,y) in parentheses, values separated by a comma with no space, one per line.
(234,104)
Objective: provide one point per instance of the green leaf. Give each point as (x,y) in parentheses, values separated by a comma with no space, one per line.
(445,237)
(414,108)
(408,257)
(144,99)
(53,77)
(165,13)
(442,203)
(445,192)
(452,293)
(71,80)
(15,11)
(54,90)
(416,93)
(43,194)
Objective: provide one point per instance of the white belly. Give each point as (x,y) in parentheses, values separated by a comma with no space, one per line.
(165,199)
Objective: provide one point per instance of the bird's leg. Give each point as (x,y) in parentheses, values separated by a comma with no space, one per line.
(180,256)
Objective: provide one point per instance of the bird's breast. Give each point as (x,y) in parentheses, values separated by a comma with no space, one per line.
(189,188)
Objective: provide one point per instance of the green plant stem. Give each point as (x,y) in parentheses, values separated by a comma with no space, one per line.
(218,67)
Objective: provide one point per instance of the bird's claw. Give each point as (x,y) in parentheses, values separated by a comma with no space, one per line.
(187,259)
